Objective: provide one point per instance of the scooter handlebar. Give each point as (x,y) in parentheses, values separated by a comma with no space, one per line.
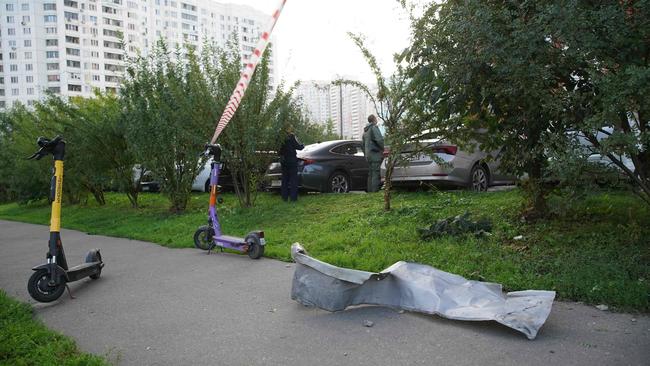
(47,146)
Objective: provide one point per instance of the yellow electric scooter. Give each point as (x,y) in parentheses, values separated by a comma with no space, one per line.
(50,279)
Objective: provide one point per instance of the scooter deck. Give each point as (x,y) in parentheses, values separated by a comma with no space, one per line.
(84,270)
(229,239)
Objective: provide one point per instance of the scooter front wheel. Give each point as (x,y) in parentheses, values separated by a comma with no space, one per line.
(203,237)
(39,287)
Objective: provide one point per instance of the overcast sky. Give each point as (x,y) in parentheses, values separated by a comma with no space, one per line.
(312,41)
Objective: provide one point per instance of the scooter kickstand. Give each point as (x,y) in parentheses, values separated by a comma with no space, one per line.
(69,292)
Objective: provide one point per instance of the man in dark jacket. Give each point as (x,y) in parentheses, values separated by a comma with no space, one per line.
(289,163)
(373,149)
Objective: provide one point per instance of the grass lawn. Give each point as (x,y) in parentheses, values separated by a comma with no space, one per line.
(26,341)
(599,252)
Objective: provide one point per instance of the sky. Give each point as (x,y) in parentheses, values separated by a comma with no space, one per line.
(312,41)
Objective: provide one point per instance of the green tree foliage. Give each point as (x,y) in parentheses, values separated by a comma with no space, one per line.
(517,76)
(392,100)
(96,153)
(20,179)
(169,111)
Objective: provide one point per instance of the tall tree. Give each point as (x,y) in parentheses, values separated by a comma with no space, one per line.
(527,72)
(169,112)
(392,101)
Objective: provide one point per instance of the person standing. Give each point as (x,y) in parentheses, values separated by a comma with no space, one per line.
(373,149)
(289,164)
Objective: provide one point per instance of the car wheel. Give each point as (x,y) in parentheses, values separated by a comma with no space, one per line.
(338,183)
(479,179)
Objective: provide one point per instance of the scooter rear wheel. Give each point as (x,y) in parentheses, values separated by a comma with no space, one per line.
(39,288)
(91,257)
(203,237)
(255,247)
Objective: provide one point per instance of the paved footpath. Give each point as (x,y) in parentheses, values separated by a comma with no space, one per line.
(160,306)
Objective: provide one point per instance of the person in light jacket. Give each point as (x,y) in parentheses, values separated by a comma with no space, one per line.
(373,149)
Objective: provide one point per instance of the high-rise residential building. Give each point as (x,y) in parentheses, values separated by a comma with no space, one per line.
(315,98)
(323,101)
(71,47)
(349,109)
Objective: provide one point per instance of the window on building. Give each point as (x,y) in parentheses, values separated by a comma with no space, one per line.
(13,68)
(73,51)
(27,30)
(11,31)
(51,54)
(15,92)
(28,55)
(75,64)
(92,7)
(2,80)
(29,67)
(30,91)
(70,3)
(72,27)
(53,66)
(9,7)
(74,88)
(29,79)
(70,15)
(71,39)
(50,30)
(49,6)
(12,55)
(94,54)
(26,19)
(112,79)
(49,18)
(96,78)
(94,42)
(14,79)
(28,43)
(24,6)
(54,77)
(51,42)
(75,76)
(54,89)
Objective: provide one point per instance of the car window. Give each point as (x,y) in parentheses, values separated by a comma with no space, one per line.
(348,149)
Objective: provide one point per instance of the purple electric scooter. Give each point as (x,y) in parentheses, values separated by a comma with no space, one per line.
(209,236)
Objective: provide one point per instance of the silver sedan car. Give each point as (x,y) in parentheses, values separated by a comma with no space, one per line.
(439,162)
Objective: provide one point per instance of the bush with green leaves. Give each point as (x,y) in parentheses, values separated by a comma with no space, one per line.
(529,72)
(170,108)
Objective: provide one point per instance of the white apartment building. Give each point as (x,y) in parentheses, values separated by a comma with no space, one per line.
(355,107)
(71,47)
(315,98)
(323,101)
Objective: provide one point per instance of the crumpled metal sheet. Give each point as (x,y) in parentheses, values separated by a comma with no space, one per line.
(419,288)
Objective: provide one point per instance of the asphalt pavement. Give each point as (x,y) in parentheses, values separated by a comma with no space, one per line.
(159,306)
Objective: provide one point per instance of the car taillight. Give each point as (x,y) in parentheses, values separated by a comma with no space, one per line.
(308,161)
(445,149)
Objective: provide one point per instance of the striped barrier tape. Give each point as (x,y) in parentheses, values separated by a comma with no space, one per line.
(246,75)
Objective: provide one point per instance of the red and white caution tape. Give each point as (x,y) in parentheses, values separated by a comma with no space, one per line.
(246,75)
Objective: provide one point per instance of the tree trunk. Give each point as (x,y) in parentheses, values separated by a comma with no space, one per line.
(388,184)
(537,191)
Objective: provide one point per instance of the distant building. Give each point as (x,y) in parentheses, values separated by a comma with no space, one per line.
(322,101)
(71,47)
(356,106)
(315,97)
